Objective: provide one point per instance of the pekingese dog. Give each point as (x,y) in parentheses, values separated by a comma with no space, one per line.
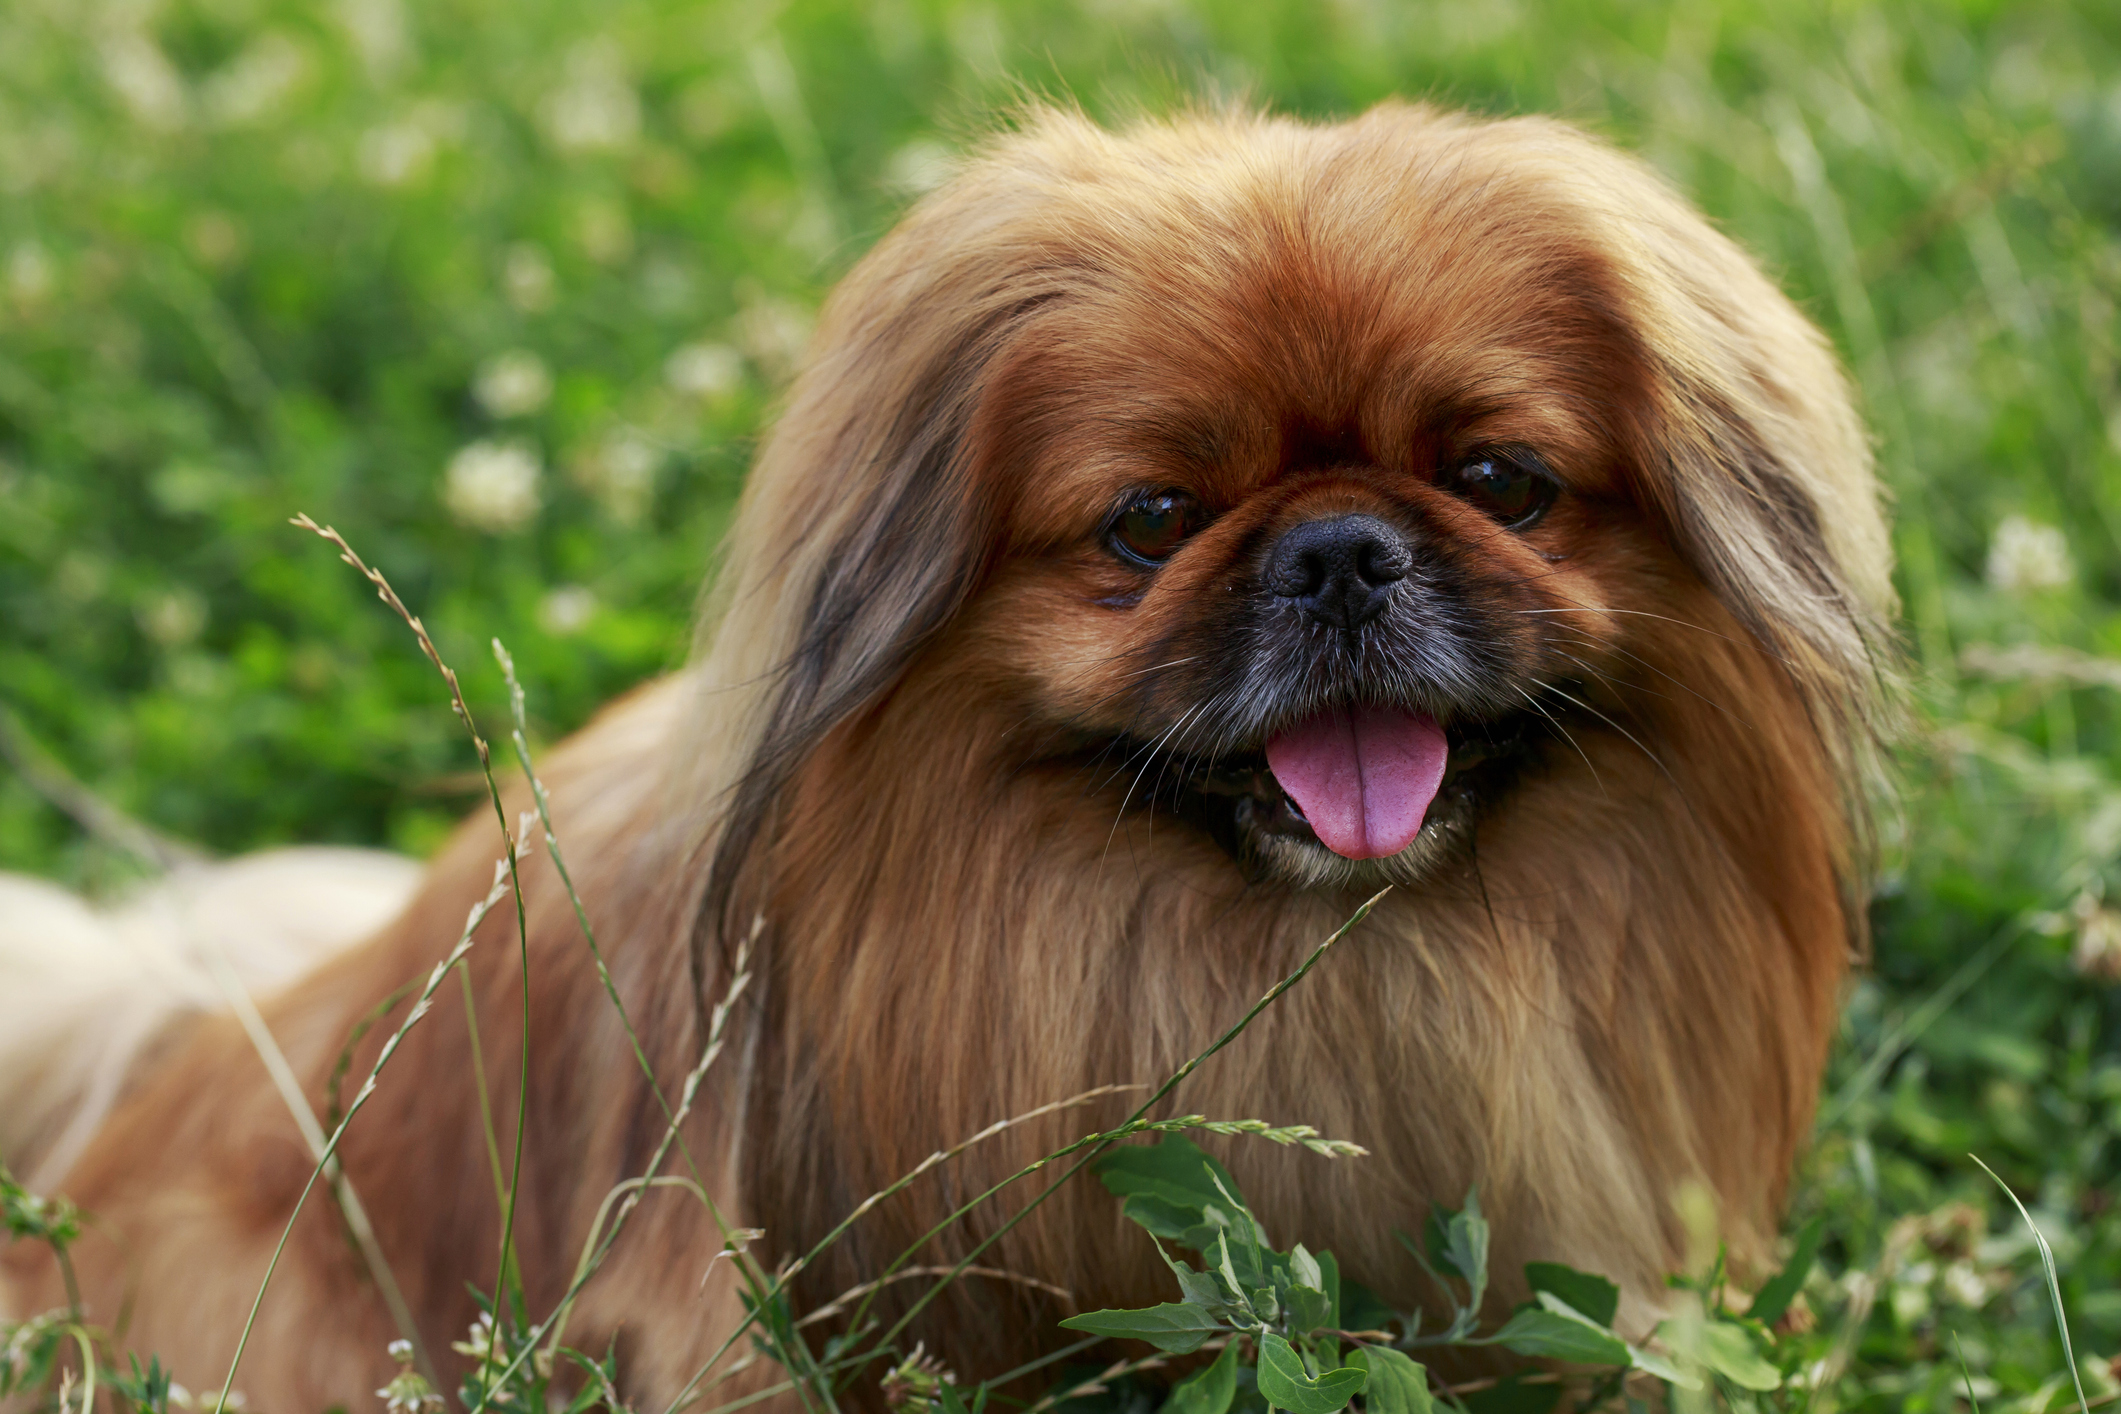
(1173,537)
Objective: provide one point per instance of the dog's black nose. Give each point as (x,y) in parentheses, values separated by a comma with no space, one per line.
(1341,570)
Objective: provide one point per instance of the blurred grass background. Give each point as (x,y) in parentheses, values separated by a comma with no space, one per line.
(505,292)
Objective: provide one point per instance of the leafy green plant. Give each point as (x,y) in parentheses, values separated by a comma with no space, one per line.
(1314,1340)
(43,1357)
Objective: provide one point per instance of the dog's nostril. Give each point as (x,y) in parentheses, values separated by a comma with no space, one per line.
(1384,559)
(1339,570)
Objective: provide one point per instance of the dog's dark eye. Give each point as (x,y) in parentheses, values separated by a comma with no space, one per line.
(1151,528)
(1511,490)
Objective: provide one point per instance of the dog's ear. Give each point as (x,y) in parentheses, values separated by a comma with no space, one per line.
(1747,445)
(864,526)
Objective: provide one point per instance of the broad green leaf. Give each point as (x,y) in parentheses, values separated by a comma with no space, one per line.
(1590,1295)
(1199,1288)
(1227,1268)
(1176,1326)
(1728,1350)
(1774,1298)
(1554,1330)
(1308,1310)
(1651,1363)
(1304,1270)
(947,1396)
(1189,1227)
(1209,1390)
(1246,1226)
(1176,1170)
(1283,1381)
(1329,1276)
(1396,1384)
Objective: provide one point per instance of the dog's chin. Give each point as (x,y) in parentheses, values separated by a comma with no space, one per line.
(1236,802)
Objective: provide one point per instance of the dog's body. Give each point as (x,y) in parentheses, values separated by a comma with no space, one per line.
(962,744)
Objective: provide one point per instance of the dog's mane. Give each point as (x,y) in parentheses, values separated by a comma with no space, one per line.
(862,532)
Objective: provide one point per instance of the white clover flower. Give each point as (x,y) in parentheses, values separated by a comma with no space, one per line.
(594,108)
(620,472)
(173,618)
(567,610)
(512,384)
(526,278)
(29,273)
(2026,556)
(146,81)
(704,370)
(492,486)
(395,153)
(251,85)
(377,28)
(1963,1284)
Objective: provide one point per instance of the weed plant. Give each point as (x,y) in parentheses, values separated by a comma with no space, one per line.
(505,292)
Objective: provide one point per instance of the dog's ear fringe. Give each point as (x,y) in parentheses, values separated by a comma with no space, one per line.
(890,566)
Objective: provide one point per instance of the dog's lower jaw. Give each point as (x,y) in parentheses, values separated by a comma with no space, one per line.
(1302,863)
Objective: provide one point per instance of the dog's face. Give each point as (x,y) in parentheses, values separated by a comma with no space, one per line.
(1319,559)
(1319,487)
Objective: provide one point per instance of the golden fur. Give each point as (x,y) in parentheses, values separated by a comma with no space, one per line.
(1617,977)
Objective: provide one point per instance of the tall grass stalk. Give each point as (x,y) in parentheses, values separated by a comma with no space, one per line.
(2054,1286)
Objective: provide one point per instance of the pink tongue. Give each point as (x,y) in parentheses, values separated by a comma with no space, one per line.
(1363,776)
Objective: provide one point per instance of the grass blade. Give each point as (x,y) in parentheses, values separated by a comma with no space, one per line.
(2054,1286)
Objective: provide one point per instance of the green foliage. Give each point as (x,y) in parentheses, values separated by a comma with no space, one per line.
(288,257)
(1284,1311)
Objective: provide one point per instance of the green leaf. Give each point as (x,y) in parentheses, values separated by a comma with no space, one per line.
(1283,1381)
(1728,1350)
(1199,1288)
(1592,1296)
(1329,1279)
(1304,1269)
(1308,1310)
(1457,1240)
(1329,1283)
(1361,1309)
(1554,1330)
(1209,1390)
(1651,1363)
(1396,1384)
(1176,1171)
(1513,1396)
(1774,1298)
(1193,1228)
(1176,1326)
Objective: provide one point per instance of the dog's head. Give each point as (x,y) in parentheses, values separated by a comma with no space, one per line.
(1311,483)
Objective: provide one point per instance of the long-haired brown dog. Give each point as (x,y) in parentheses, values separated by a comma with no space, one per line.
(1173,537)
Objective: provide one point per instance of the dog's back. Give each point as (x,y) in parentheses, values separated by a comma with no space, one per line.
(87,993)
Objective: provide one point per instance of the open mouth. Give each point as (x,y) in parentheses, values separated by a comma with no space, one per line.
(1360,784)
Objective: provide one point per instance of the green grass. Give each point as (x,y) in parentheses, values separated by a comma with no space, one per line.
(252,263)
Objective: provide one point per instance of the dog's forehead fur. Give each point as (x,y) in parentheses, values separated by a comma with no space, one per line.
(1325,296)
